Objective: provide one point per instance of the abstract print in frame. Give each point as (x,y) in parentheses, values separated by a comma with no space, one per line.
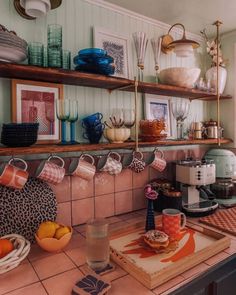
(117,47)
(35,102)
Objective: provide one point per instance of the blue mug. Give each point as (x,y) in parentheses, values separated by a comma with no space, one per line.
(98,127)
(92,119)
(93,137)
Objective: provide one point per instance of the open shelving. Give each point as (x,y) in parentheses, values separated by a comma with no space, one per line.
(53,148)
(71,77)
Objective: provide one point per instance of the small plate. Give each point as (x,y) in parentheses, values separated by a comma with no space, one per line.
(10,54)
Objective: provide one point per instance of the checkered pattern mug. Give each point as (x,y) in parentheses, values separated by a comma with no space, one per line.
(158,162)
(172,222)
(113,164)
(51,172)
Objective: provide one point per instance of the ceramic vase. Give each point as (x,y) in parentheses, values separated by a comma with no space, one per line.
(211,76)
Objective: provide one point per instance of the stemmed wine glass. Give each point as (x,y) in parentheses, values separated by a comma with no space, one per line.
(73,117)
(156,48)
(140,42)
(129,117)
(180,110)
(63,113)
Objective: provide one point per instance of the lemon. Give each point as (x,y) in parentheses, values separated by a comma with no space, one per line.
(46,229)
(61,231)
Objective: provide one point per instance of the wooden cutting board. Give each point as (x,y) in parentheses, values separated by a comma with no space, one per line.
(223,219)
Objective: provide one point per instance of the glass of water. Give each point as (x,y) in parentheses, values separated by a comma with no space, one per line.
(97,244)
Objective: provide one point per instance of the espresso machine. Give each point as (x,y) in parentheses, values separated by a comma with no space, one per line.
(194,178)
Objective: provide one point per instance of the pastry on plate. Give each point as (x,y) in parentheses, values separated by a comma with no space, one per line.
(156,239)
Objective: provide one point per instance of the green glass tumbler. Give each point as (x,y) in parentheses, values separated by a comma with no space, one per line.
(54,58)
(66,59)
(35,54)
(55,36)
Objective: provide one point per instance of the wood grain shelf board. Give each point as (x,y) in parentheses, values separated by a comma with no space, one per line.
(44,149)
(71,77)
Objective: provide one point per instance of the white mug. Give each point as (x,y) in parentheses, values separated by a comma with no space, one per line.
(158,162)
(113,164)
(83,168)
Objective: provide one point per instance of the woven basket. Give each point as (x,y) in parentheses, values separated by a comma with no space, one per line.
(13,259)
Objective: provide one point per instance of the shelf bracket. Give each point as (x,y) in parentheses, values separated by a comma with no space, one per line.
(121,87)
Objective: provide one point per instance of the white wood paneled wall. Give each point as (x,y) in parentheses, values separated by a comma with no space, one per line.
(78,18)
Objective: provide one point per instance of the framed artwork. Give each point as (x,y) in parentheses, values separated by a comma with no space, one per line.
(116,46)
(36,102)
(158,108)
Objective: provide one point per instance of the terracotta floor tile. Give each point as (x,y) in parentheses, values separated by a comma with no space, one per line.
(37,253)
(76,241)
(80,229)
(77,255)
(195,270)
(127,285)
(62,284)
(113,219)
(52,265)
(166,286)
(19,277)
(34,289)
(217,258)
(118,272)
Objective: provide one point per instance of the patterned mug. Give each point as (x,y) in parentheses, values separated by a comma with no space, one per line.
(172,222)
(51,172)
(137,164)
(113,164)
(12,176)
(84,167)
(158,162)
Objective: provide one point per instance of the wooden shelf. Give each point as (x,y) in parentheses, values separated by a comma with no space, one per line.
(70,77)
(44,149)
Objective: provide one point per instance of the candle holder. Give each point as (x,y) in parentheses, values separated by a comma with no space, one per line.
(140,42)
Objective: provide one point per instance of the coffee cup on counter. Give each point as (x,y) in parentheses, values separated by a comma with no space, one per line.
(83,167)
(172,222)
(51,172)
(13,176)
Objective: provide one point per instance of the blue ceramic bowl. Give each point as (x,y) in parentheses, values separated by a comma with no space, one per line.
(95,52)
(91,61)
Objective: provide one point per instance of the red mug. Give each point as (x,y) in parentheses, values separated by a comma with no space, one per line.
(172,222)
(13,176)
(158,161)
(51,172)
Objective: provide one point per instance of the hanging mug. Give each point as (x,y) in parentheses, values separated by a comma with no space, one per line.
(137,164)
(158,161)
(51,172)
(84,167)
(113,164)
(12,176)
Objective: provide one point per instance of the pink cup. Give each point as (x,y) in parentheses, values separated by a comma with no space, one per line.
(51,172)
(113,164)
(158,162)
(83,168)
(13,176)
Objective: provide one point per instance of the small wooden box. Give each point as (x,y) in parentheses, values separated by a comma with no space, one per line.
(195,245)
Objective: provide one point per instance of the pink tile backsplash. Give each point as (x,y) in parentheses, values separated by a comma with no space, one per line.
(105,205)
(123,181)
(140,179)
(64,213)
(108,195)
(104,183)
(81,188)
(123,202)
(82,210)
(62,190)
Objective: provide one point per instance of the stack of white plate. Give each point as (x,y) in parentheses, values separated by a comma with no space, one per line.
(12,47)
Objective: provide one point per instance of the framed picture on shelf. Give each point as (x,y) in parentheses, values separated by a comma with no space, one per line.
(36,102)
(116,46)
(158,108)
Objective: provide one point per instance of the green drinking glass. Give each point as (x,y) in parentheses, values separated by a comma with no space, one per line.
(66,59)
(55,36)
(35,54)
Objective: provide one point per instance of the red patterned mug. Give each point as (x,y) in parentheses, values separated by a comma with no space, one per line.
(172,222)
(51,172)
(12,176)
(158,161)
(83,168)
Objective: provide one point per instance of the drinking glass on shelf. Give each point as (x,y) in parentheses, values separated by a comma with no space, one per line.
(129,118)
(73,117)
(63,113)
(180,110)
(140,42)
(156,48)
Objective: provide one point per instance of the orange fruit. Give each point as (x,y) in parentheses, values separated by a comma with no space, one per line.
(6,247)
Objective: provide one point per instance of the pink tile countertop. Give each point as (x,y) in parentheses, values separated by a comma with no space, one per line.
(44,273)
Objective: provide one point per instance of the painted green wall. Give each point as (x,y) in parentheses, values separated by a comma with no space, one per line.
(78,18)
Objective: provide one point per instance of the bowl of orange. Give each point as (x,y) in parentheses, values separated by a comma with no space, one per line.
(13,249)
(52,236)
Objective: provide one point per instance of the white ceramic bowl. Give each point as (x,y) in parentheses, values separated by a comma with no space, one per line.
(117,135)
(183,77)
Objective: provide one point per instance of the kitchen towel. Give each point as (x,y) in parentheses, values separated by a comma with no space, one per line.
(223,219)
